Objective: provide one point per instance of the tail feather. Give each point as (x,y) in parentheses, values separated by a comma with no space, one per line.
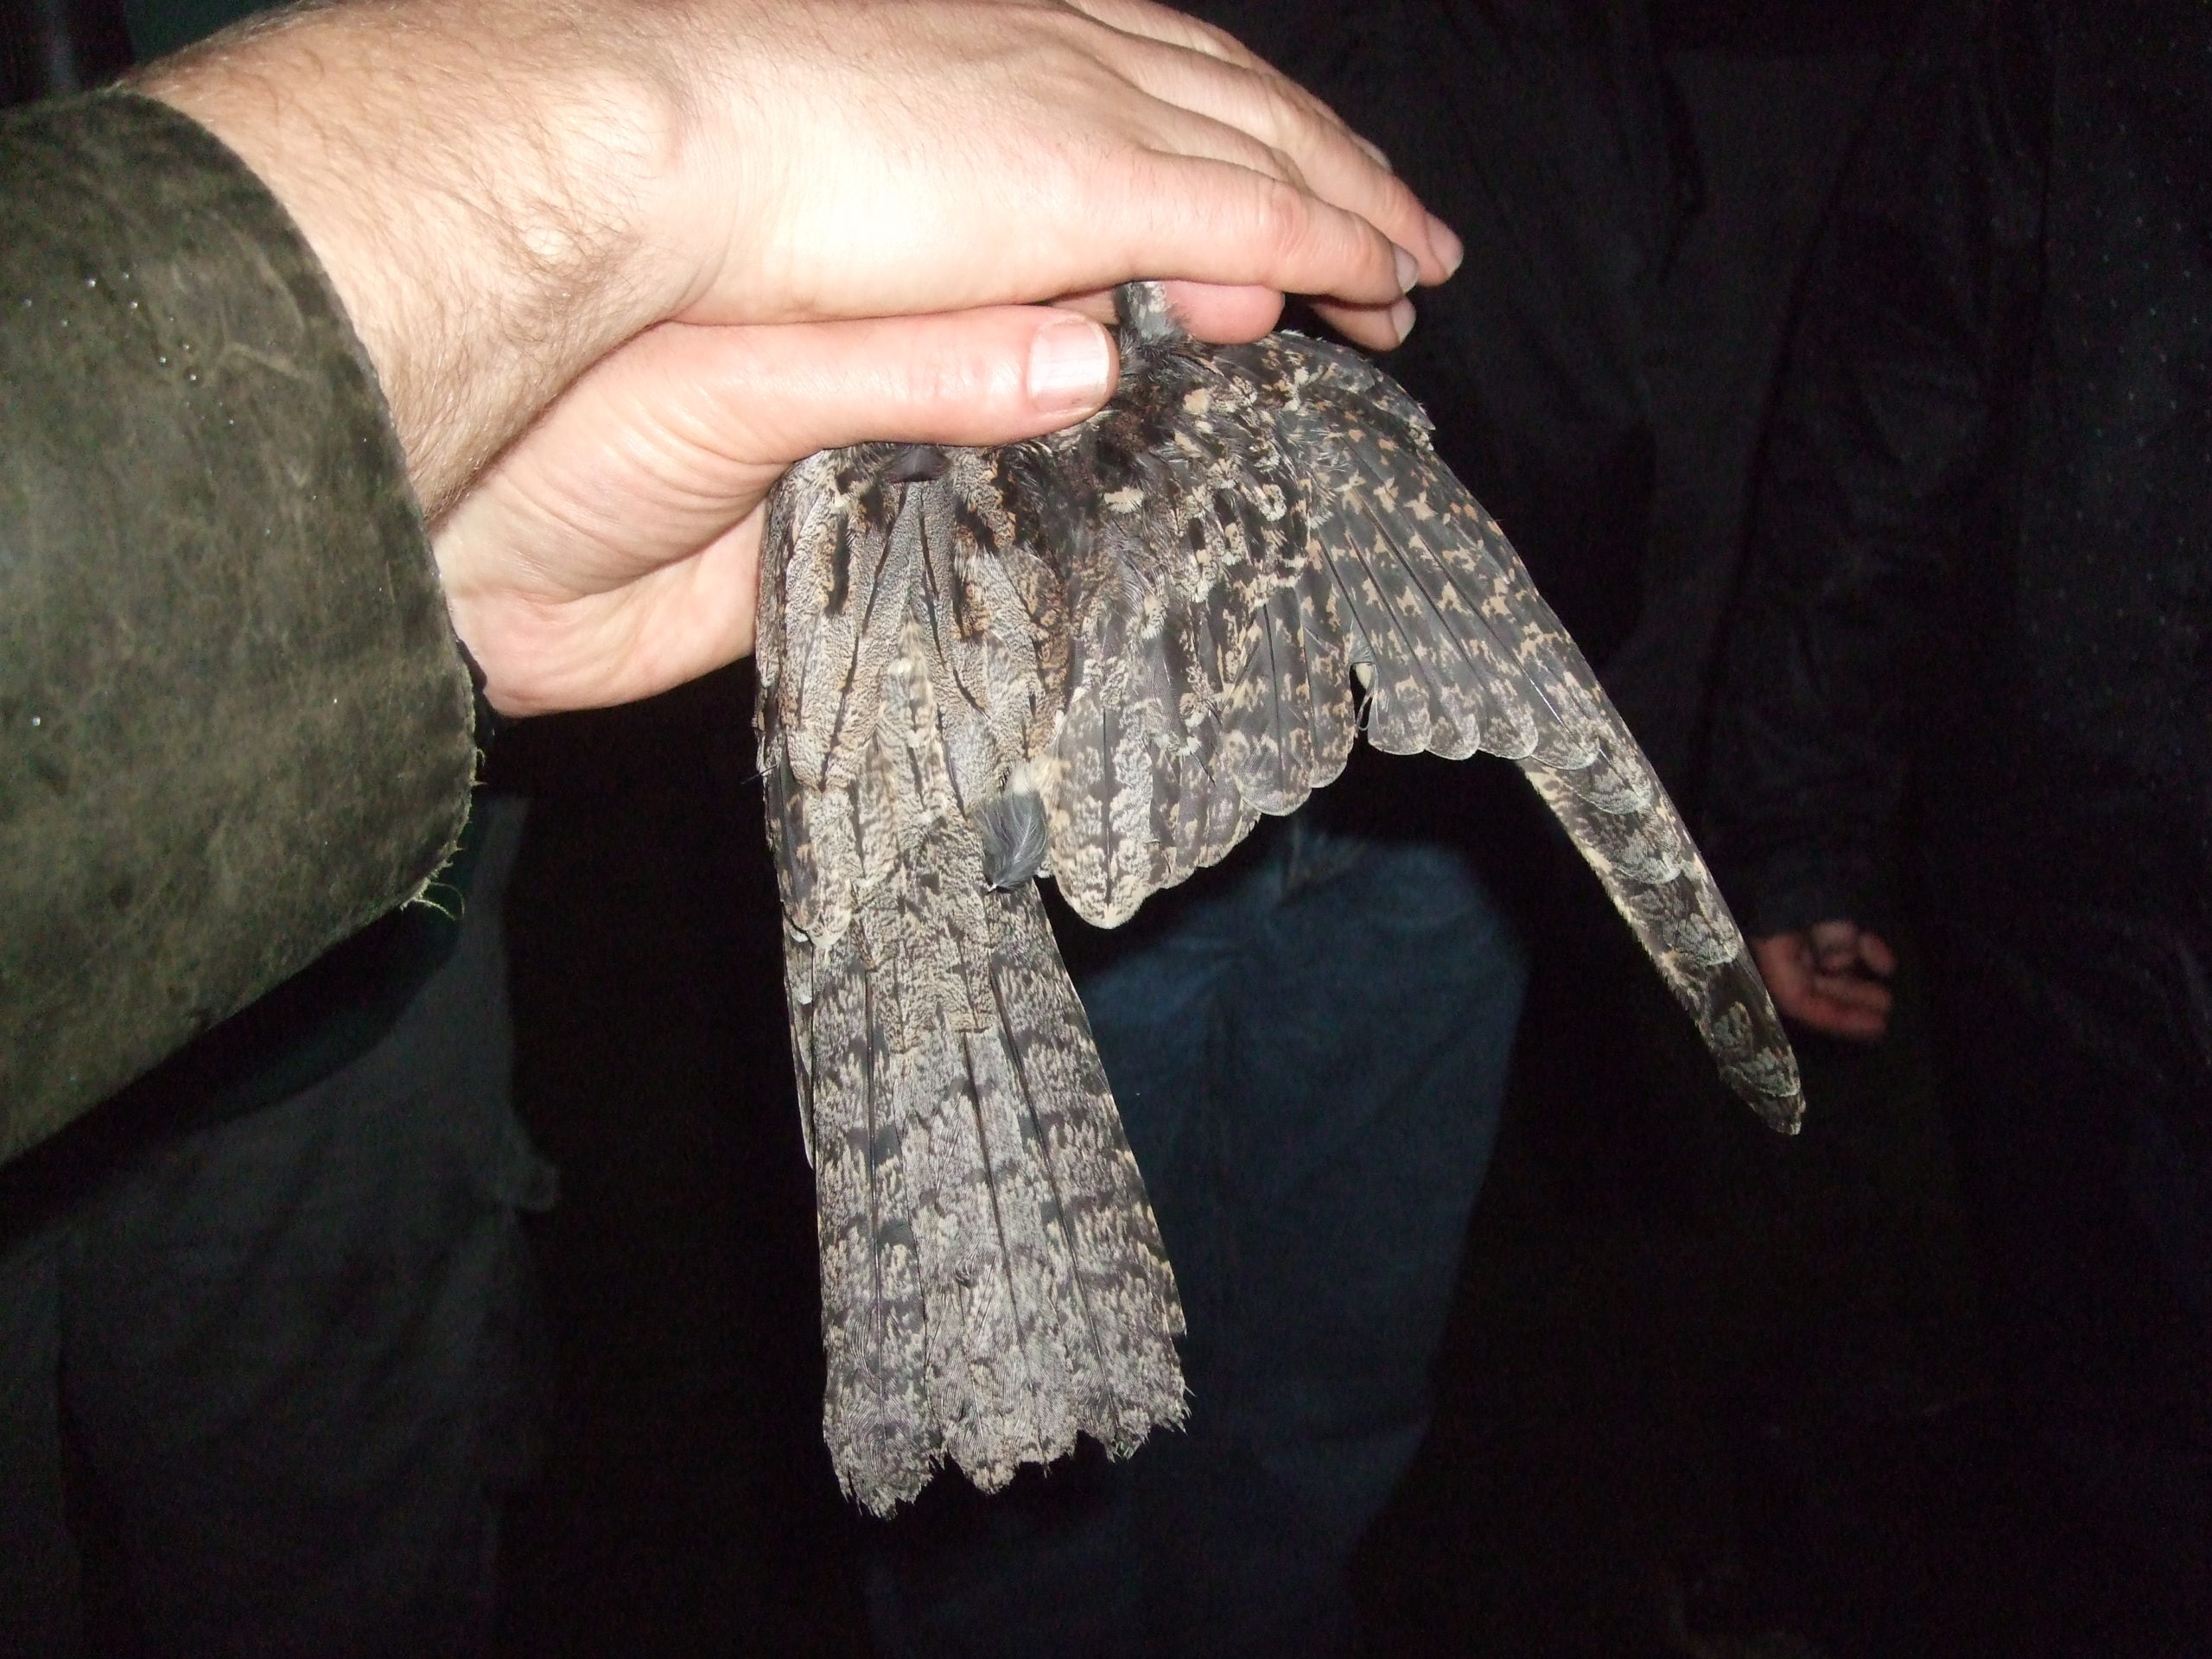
(1129,1376)
(874,1324)
(993,1282)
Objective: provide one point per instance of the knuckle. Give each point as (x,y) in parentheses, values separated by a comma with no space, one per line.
(1220,43)
(1282,219)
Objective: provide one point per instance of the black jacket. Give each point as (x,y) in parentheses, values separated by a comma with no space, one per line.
(1977,617)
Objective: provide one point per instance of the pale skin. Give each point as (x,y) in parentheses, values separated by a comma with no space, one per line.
(614,549)
(619,265)
(1830,977)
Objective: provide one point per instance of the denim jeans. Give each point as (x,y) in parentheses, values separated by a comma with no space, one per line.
(1309,1046)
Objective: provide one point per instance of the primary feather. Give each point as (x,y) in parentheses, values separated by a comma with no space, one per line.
(1102,655)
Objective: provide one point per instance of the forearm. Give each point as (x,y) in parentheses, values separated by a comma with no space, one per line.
(504,239)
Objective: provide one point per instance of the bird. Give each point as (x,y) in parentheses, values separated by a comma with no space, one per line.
(1100,656)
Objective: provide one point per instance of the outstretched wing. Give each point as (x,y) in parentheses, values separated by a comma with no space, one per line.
(1244,525)
(1465,649)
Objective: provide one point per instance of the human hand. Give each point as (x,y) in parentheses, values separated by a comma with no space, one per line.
(504,190)
(614,551)
(1828,977)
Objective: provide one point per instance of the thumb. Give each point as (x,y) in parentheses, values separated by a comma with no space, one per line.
(777,392)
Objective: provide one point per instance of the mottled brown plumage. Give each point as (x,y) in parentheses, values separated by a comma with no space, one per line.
(1102,655)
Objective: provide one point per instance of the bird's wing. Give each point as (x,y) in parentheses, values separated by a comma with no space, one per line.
(1206,679)
(1240,528)
(1467,655)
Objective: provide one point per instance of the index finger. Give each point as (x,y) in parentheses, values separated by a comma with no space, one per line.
(1194,217)
(1201,69)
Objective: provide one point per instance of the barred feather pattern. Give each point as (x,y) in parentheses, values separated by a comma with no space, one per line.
(1102,655)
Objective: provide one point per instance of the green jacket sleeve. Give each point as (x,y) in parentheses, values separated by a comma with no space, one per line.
(234,724)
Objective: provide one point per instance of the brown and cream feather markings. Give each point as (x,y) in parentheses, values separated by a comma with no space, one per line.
(1102,655)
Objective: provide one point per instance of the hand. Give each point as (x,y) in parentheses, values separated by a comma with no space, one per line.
(614,551)
(504,190)
(1830,977)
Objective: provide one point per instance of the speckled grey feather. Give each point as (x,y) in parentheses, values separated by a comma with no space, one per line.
(1102,655)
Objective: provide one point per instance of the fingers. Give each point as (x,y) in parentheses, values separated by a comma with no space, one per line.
(1164,24)
(1189,216)
(1835,946)
(1378,327)
(1229,313)
(1846,1005)
(1863,1004)
(1875,952)
(1785,962)
(1225,313)
(1221,113)
(1204,69)
(1178,28)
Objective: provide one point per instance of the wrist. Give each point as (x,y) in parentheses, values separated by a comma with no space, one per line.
(479,186)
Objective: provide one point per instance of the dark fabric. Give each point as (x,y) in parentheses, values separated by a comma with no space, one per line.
(334,1011)
(50,47)
(160,27)
(233,725)
(270,1376)
(1309,1047)
(322,1019)
(2094,1210)
(1973,670)
(1781,27)
(1980,601)
(1981,582)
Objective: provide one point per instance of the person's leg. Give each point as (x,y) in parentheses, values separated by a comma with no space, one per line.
(40,1611)
(289,1343)
(1355,1091)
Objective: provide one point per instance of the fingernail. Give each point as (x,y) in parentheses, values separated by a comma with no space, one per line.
(1449,248)
(1401,318)
(1408,270)
(1070,365)
(1375,152)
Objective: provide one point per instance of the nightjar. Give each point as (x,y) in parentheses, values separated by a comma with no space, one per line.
(1102,655)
